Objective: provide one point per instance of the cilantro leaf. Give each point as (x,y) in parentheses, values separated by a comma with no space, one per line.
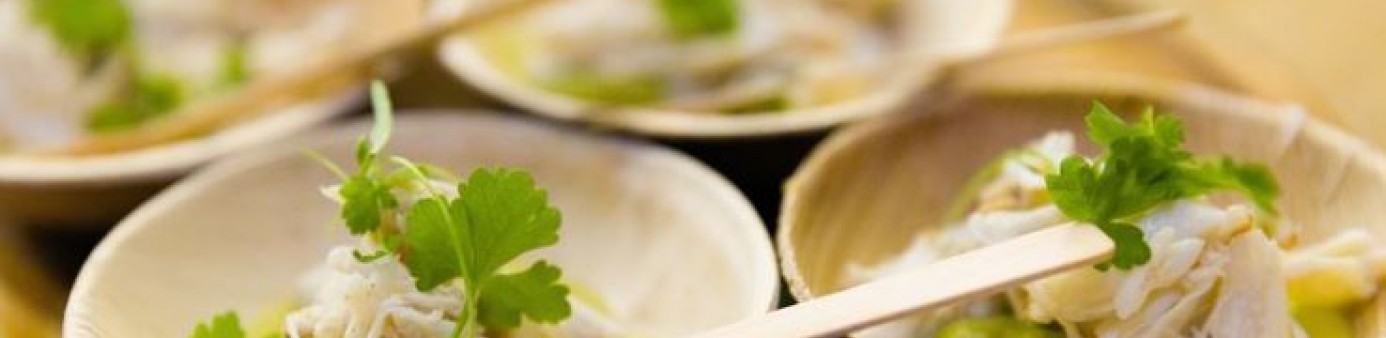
(366,196)
(498,215)
(1252,180)
(534,293)
(434,243)
(1144,167)
(225,325)
(1105,127)
(365,200)
(84,27)
(506,215)
(1073,189)
(1134,250)
(699,18)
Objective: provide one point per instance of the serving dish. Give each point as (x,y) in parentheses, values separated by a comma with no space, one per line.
(936,37)
(671,246)
(865,194)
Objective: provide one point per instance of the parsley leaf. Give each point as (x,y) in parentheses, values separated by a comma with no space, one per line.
(699,18)
(1144,167)
(225,325)
(84,27)
(498,215)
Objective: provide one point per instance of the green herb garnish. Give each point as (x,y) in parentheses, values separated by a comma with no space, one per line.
(630,90)
(468,240)
(1144,167)
(770,104)
(225,325)
(995,327)
(498,215)
(84,27)
(690,19)
(148,97)
(366,195)
(235,69)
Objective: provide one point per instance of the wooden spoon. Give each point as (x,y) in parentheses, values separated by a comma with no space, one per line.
(974,274)
(329,75)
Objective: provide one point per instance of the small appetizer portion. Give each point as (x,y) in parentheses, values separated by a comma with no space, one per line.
(1185,265)
(705,56)
(436,255)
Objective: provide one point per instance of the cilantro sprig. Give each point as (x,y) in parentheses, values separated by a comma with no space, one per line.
(496,216)
(469,240)
(1144,166)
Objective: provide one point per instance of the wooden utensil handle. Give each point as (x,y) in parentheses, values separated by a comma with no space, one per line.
(977,273)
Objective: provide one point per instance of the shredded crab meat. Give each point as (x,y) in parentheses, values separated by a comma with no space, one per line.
(1215,271)
(351,298)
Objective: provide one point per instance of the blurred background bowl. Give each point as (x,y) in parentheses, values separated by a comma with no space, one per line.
(940,34)
(95,189)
